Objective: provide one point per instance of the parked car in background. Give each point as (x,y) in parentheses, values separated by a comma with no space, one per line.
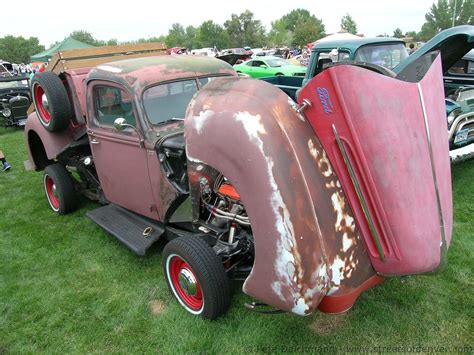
(269,66)
(6,68)
(460,74)
(209,52)
(15,99)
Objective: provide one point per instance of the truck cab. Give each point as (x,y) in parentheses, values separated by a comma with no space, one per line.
(383,51)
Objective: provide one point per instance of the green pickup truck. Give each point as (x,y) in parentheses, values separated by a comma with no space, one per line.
(390,57)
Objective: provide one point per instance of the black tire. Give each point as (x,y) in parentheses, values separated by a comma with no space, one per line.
(56,115)
(59,188)
(279,74)
(204,265)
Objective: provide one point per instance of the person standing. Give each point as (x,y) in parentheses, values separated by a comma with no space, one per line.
(5,165)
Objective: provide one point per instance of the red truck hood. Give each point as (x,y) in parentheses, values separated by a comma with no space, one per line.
(386,140)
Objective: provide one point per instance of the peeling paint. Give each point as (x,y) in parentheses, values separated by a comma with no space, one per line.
(200,120)
(337,268)
(300,308)
(346,243)
(110,68)
(312,150)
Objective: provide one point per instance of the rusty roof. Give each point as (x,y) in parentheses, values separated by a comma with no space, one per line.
(141,72)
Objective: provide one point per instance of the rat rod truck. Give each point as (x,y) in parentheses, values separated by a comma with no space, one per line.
(310,202)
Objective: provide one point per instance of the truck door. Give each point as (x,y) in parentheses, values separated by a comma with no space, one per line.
(119,156)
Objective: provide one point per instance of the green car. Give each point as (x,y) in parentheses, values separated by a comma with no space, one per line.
(269,66)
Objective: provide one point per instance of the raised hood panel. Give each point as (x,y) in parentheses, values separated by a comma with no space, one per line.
(386,140)
(453,44)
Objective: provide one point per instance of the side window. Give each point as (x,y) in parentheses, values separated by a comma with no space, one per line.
(470,67)
(250,63)
(343,56)
(257,63)
(322,58)
(112,103)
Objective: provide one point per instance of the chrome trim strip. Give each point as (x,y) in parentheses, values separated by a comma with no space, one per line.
(360,196)
(443,246)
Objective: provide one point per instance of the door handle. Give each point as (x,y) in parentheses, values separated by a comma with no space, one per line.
(94,141)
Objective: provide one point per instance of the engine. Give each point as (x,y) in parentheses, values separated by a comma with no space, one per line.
(225,214)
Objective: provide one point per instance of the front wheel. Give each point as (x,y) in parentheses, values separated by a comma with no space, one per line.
(196,277)
(59,189)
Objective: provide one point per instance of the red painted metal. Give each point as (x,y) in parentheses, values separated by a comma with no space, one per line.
(195,302)
(381,124)
(344,302)
(44,114)
(53,199)
(229,190)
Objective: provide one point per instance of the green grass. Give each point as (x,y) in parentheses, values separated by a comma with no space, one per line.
(66,286)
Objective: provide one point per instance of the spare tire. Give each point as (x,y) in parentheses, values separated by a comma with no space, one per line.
(51,101)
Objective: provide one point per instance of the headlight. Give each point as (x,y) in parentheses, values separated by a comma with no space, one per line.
(6,112)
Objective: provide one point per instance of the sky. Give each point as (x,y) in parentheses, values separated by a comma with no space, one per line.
(132,20)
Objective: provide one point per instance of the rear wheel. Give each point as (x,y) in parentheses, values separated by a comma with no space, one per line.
(51,101)
(196,277)
(59,189)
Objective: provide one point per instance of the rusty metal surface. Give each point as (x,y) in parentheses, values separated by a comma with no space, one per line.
(307,244)
(394,136)
(139,73)
(53,143)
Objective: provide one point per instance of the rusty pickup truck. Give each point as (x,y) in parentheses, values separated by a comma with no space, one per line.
(309,203)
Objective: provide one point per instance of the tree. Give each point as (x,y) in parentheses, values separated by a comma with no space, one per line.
(85,37)
(441,16)
(176,36)
(297,28)
(19,49)
(307,32)
(210,34)
(190,40)
(398,33)
(244,30)
(112,42)
(280,35)
(348,24)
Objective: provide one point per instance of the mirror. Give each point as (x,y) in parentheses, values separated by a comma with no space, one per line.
(120,124)
(263,66)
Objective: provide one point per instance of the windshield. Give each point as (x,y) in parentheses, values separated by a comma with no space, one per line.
(168,102)
(386,55)
(277,62)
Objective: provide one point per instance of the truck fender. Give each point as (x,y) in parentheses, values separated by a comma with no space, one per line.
(307,245)
(51,143)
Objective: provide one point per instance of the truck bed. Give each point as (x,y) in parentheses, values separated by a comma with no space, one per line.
(289,84)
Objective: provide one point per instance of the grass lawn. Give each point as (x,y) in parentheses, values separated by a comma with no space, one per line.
(67,286)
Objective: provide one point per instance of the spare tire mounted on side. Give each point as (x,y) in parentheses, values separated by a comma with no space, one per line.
(51,101)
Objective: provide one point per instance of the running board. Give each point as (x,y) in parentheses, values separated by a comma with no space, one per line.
(136,232)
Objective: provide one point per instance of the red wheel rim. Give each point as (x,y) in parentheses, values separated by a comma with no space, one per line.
(176,267)
(51,191)
(45,115)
